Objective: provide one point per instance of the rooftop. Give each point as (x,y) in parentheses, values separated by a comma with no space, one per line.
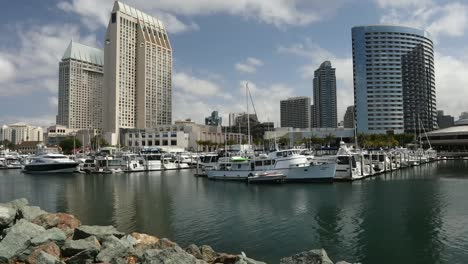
(133,12)
(85,53)
(449,131)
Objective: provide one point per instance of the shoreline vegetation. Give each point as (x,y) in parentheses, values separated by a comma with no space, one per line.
(29,235)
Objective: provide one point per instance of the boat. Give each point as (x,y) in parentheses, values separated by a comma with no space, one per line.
(51,163)
(152,159)
(351,165)
(131,162)
(108,165)
(168,163)
(266,177)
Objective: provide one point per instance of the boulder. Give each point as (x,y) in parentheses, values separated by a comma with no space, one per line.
(72,247)
(165,243)
(44,258)
(225,258)
(17,238)
(7,216)
(208,254)
(66,222)
(144,240)
(171,255)
(114,248)
(83,257)
(193,250)
(53,234)
(17,204)
(100,232)
(315,256)
(30,212)
(50,248)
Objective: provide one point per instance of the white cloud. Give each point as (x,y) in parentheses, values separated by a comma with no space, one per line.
(37,57)
(449,19)
(194,85)
(34,120)
(451,81)
(275,12)
(249,66)
(315,56)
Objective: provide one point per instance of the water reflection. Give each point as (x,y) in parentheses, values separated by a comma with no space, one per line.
(416,215)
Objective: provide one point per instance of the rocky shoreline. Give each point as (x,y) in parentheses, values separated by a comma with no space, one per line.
(33,236)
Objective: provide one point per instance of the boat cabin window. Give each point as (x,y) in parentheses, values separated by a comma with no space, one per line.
(343,160)
(279,154)
(267,162)
(258,163)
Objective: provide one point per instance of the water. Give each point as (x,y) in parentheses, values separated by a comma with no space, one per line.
(416,215)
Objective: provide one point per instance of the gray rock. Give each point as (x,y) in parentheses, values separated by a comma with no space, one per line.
(7,216)
(208,254)
(30,212)
(129,240)
(84,257)
(114,248)
(194,251)
(315,256)
(44,258)
(17,238)
(246,260)
(171,255)
(72,247)
(100,232)
(53,234)
(17,204)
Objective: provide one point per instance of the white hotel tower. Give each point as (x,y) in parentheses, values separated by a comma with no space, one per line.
(137,72)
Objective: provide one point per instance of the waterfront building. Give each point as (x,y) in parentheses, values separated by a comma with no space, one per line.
(463,115)
(80,87)
(444,121)
(394,83)
(451,141)
(137,72)
(348,120)
(313,117)
(57,133)
(325,96)
(185,135)
(214,119)
(21,132)
(295,112)
(233,118)
(28,147)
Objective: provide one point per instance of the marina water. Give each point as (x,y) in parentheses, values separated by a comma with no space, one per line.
(414,215)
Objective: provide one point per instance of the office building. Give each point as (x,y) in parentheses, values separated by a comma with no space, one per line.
(80,87)
(444,121)
(295,112)
(394,83)
(348,120)
(137,72)
(21,132)
(313,117)
(214,119)
(325,96)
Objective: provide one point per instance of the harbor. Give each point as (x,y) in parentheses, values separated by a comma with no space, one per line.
(421,205)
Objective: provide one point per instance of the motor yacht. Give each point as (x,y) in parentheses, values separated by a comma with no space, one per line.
(51,163)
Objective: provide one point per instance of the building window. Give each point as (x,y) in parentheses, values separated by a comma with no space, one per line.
(164,142)
(173,142)
(114,17)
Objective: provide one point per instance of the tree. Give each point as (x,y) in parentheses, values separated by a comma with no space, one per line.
(330,139)
(67,145)
(100,140)
(7,144)
(283,141)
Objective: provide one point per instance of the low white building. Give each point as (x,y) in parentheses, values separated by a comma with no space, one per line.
(55,134)
(21,132)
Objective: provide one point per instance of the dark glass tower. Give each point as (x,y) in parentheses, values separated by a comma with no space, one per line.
(325,96)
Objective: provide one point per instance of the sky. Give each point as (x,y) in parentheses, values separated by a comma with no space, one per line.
(218,46)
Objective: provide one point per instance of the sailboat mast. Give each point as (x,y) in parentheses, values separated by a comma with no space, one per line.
(248,115)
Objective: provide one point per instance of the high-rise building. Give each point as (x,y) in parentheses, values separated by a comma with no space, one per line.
(80,87)
(295,112)
(444,121)
(394,83)
(214,119)
(348,120)
(137,72)
(313,117)
(325,96)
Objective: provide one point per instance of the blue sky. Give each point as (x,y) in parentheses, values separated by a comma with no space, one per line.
(275,45)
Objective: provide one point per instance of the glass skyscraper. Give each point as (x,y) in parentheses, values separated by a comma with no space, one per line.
(325,114)
(394,83)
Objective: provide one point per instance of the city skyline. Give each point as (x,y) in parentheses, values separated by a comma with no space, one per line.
(281,54)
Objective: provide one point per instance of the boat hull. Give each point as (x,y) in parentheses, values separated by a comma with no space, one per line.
(51,168)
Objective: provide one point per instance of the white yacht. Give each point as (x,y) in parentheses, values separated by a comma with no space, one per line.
(291,164)
(108,165)
(168,163)
(51,163)
(351,165)
(152,159)
(131,162)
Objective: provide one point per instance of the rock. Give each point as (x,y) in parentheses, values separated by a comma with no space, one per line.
(315,256)
(30,212)
(245,260)
(171,255)
(113,248)
(84,257)
(17,204)
(225,258)
(50,248)
(17,238)
(99,232)
(72,247)
(66,222)
(194,251)
(165,243)
(44,258)
(208,254)
(143,239)
(7,216)
(53,234)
